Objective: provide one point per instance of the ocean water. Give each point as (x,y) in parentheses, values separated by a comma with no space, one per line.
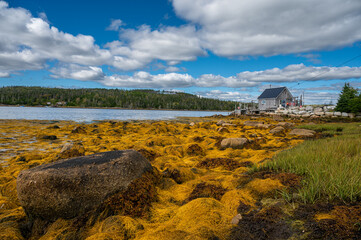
(90,114)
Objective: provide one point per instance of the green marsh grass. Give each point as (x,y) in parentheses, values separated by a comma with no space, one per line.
(331,167)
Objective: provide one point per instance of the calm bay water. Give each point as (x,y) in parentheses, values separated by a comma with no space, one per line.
(88,114)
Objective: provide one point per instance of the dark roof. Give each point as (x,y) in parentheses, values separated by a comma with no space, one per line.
(271,92)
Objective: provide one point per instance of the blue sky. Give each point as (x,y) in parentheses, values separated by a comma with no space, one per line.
(227,49)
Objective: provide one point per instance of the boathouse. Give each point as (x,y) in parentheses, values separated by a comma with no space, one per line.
(272,98)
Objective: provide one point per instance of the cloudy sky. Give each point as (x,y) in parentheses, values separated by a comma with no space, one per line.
(227,49)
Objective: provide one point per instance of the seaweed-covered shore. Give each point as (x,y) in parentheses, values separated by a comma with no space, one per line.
(204,189)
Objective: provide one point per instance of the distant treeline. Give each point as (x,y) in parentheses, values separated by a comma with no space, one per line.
(90,97)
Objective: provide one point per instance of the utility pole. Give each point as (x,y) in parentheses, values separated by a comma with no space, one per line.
(303,97)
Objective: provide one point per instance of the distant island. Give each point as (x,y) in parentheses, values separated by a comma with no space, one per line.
(109,98)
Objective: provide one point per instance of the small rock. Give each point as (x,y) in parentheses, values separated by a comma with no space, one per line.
(303,132)
(260,140)
(285,124)
(277,130)
(228,124)
(21,159)
(70,150)
(261,125)
(252,123)
(320,113)
(79,129)
(223,130)
(49,137)
(220,122)
(236,219)
(54,127)
(192,124)
(234,142)
(277,118)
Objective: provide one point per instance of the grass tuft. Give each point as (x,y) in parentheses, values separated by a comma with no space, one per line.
(331,167)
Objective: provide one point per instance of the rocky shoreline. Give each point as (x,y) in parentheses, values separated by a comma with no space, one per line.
(195,183)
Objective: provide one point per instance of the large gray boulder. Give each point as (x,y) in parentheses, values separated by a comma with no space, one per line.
(71,187)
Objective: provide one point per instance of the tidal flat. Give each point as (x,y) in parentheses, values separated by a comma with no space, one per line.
(204,191)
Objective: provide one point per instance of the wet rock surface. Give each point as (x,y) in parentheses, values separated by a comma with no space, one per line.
(71,187)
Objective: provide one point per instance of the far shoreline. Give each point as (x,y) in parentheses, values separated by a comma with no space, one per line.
(118,108)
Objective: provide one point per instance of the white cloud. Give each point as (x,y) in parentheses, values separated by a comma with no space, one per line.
(317,97)
(300,72)
(210,80)
(170,44)
(224,95)
(227,27)
(83,73)
(172,69)
(146,80)
(4,75)
(142,79)
(43,16)
(263,27)
(314,58)
(115,25)
(27,43)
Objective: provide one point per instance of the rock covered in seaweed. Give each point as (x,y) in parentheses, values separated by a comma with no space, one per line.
(70,150)
(276,130)
(71,187)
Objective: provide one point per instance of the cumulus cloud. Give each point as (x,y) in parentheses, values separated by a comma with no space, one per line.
(115,25)
(172,69)
(210,80)
(317,97)
(300,72)
(227,95)
(74,71)
(146,80)
(141,46)
(27,43)
(227,27)
(4,75)
(43,16)
(314,58)
(263,27)
(247,79)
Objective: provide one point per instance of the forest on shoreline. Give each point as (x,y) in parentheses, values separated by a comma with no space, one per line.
(109,98)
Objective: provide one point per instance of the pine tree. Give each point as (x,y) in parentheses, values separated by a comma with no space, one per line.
(344,103)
